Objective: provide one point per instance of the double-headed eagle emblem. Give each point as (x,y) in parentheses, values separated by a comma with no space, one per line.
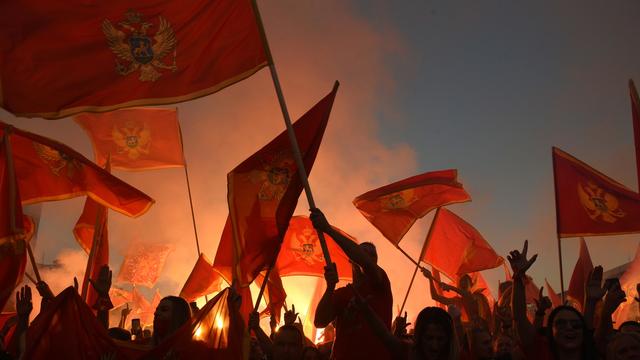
(132,139)
(399,200)
(137,50)
(275,176)
(58,162)
(308,249)
(599,204)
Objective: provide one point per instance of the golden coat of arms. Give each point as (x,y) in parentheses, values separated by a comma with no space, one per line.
(308,249)
(138,50)
(399,200)
(59,162)
(132,139)
(598,203)
(275,176)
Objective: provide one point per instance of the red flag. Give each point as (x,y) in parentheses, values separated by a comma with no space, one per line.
(93,215)
(216,332)
(15,228)
(580,275)
(143,263)
(8,322)
(135,138)
(300,253)
(635,113)
(457,248)
(142,308)
(590,203)
(158,53)
(553,296)
(69,327)
(394,208)
(263,192)
(119,296)
(48,170)
(202,281)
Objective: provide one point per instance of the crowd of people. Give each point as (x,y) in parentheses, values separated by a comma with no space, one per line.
(358,322)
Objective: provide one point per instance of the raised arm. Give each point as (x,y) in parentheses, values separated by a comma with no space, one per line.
(350,248)
(543,303)
(325,311)
(434,291)
(594,292)
(261,336)
(615,296)
(103,303)
(520,265)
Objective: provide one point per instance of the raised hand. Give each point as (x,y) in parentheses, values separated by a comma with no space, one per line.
(615,296)
(331,275)
(427,273)
(103,283)
(44,290)
(125,311)
(543,303)
(400,325)
(290,316)
(594,291)
(23,302)
(519,262)
(254,320)
(319,220)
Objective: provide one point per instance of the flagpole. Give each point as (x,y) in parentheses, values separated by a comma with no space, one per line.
(302,172)
(186,175)
(95,245)
(635,103)
(424,248)
(266,280)
(13,198)
(555,190)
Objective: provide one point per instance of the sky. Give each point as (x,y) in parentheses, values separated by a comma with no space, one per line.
(485,87)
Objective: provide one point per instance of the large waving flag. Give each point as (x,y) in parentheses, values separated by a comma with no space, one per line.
(135,138)
(580,276)
(156,52)
(202,280)
(69,327)
(394,208)
(48,170)
(263,192)
(300,253)
(590,203)
(457,248)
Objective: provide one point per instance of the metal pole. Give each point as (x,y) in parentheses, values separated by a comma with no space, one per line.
(555,189)
(186,175)
(302,172)
(424,248)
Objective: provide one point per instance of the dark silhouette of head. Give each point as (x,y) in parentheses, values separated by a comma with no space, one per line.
(434,335)
(172,312)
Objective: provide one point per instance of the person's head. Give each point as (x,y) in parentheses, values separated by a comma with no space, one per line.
(311,353)
(119,334)
(502,345)
(287,343)
(434,336)
(624,346)
(370,250)
(465,282)
(630,326)
(566,329)
(481,343)
(172,312)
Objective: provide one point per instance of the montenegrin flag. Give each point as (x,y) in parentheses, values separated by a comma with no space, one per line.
(47,170)
(394,208)
(59,58)
(135,138)
(589,202)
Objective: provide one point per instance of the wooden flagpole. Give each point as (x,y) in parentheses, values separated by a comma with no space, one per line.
(424,248)
(186,175)
(555,191)
(302,172)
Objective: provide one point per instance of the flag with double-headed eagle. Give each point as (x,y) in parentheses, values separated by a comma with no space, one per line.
(301,254)
(135,138)
(129,54)
(589,203)
(143,263)
(394,208)
(47,170)
(263,192)
(15,228)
